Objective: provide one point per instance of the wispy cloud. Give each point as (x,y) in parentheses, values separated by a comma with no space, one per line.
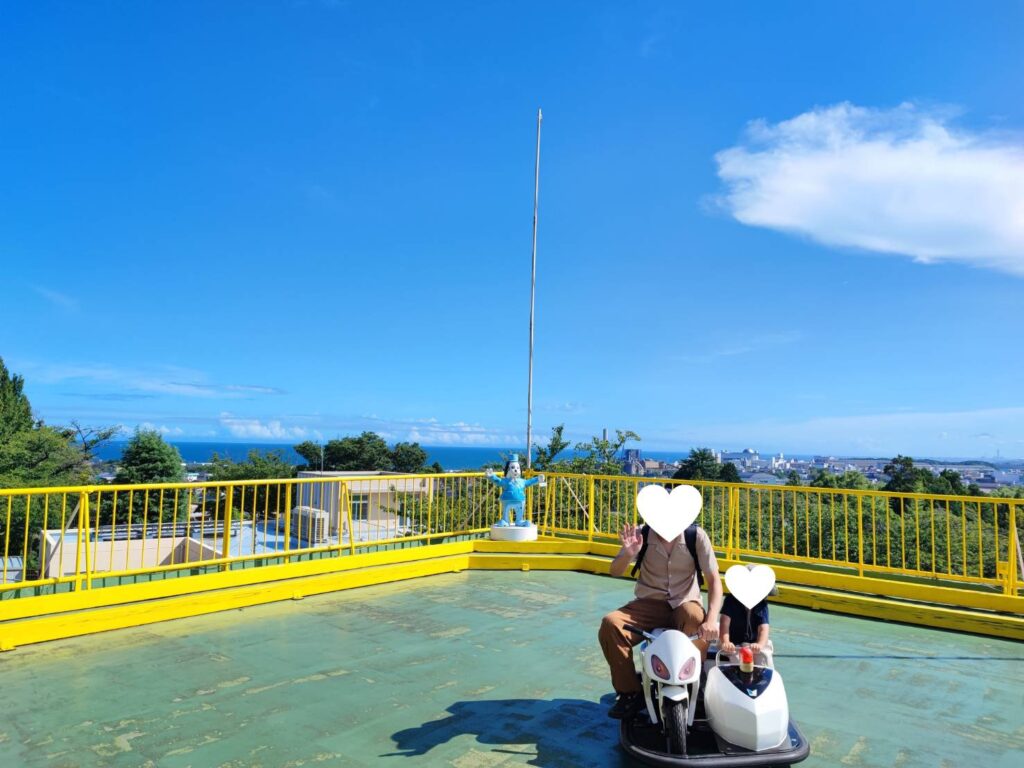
(755,343)
(163,380)
(460,433)
(255,428)
(163,429)
(57,298)
(897,181)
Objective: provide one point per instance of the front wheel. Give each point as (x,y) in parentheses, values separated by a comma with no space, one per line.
(675,726)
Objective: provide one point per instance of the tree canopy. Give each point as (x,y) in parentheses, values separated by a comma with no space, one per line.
(365,452)
(33,454)
(701,464)
(148,459)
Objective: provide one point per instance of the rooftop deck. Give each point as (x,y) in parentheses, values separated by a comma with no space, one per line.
(473,669)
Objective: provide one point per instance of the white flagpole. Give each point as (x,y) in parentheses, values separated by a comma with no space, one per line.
(533,289)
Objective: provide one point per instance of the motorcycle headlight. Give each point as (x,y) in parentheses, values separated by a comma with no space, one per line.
(688,667)
(660,670)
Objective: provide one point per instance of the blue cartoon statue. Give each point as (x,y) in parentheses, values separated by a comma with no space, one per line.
(513,492)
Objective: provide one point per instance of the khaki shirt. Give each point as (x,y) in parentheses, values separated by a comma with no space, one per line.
(672,575)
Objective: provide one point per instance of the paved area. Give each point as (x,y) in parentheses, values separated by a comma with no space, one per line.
(473,670)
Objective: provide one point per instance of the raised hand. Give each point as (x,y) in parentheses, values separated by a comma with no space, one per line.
(631,539)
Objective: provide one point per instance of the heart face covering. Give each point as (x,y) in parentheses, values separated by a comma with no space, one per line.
(669,514)
(750,586)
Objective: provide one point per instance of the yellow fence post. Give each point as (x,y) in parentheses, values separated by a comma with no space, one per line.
(860,536)
(430,509)
(88,536)
(1013,553)
(288,517)
(590,508)
(229,503)
(732,540)
(344,499)
(83,504)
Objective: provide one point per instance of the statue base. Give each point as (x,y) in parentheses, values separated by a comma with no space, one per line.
(513,533)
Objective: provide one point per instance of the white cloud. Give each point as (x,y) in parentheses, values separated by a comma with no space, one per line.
(58,299)
(898,181)
(254,428)
(161,380)
(433,432)
(163,429)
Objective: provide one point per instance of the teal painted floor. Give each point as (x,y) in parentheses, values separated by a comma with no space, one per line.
(473,670)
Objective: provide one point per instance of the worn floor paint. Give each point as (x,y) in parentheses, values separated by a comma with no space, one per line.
(473,670)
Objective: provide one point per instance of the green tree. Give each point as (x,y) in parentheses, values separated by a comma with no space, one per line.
(256,501)
(545,456)
(15,409)
(701,464)
(408,458)
(793,478)
(368,452)
(148,459)
(271,465)
(728,473)
(849,479)
(903,476)
(598,455)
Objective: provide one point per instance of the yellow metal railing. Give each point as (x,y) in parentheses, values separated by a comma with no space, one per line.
(959,539)
(75,538)
(80,537)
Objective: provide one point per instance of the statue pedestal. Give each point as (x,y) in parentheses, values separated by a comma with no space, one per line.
(513,533)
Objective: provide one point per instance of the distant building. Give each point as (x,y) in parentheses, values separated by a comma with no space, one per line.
(632,464)
(747,458)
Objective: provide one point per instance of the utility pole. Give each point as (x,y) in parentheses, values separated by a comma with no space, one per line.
(533,290)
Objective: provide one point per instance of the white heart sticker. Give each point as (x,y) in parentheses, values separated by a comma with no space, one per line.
(669,514)
(750,586)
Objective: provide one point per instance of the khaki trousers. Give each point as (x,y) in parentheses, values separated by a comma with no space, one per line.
(647,613)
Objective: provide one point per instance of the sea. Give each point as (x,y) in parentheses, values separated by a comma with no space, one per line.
(449,457)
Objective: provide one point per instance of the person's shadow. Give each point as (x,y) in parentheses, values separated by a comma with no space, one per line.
(563,732)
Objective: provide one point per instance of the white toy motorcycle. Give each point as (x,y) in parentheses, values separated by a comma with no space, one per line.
(739,717)
(670,675)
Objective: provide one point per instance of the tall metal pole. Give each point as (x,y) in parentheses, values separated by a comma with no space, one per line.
(533,289)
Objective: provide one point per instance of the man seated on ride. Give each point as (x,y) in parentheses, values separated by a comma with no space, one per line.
(667,595)
(739,625)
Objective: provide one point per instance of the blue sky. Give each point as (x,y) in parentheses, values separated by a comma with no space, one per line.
(790,226)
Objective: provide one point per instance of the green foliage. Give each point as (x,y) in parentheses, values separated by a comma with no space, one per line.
(15,409)
(271,465)
(148,459)
(850,479)
(597,456)
(408,457)
(701,464)
(41,456)
(545,456)
(728,473)
(793,478)
(367,452)
(252,502)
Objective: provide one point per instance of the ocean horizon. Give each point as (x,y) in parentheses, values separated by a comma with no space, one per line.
(449,457)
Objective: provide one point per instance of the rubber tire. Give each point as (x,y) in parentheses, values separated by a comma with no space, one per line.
(675,726)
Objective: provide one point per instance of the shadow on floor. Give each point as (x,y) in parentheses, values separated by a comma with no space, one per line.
(553,732)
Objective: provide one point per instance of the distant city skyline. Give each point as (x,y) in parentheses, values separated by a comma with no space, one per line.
(790,226)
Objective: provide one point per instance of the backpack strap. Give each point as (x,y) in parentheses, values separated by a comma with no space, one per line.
(643,549)
(690,535)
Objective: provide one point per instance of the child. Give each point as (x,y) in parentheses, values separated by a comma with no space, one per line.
(739,625)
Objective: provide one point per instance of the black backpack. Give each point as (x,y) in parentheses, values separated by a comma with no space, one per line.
(689,536)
